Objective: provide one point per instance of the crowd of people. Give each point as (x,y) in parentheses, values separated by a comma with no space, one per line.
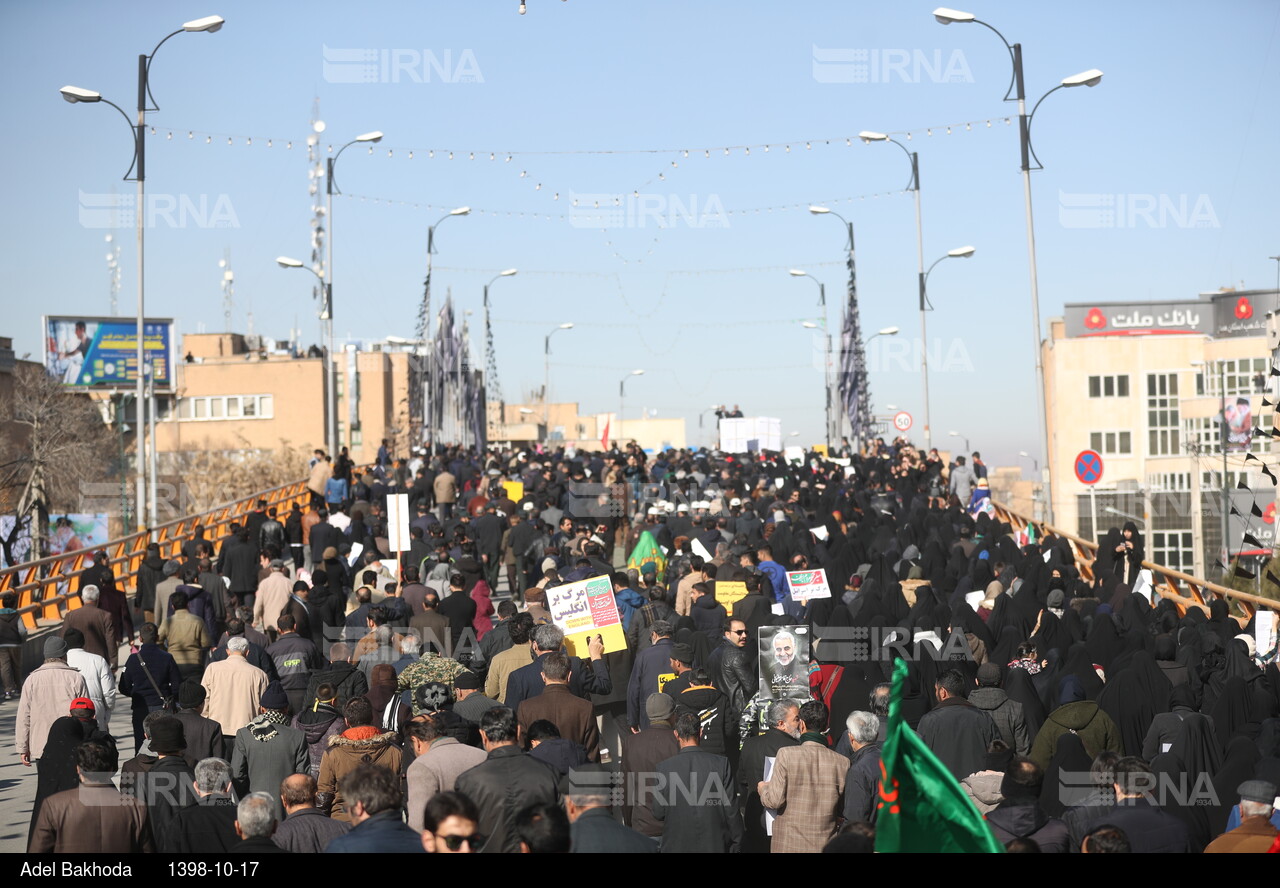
(298,687)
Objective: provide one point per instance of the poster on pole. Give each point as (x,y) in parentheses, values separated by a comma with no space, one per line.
(806,584)
(398,539)
(585,609)
(88,352)
(784,662)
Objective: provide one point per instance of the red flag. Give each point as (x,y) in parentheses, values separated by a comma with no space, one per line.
(604,439)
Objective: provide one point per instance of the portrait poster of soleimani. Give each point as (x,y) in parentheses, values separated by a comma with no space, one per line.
(784,662)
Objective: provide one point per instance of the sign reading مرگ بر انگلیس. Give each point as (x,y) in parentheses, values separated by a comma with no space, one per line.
(585,609)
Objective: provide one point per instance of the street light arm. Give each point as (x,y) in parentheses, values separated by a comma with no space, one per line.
(331,185)
(914,184)
(146,71)
(1015,56)
(1031,118)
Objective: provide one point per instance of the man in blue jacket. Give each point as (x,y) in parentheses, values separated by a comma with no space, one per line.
(372,796)
(651,666)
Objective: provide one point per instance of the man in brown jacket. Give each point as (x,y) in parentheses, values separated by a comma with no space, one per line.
(46,697)
(1255,834)
(187,637)
(574,716)
(361,742)
(805,787)
(95,817)
(445,488)
(100,631)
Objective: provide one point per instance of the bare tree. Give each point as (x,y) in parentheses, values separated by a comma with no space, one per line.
(57,446)
(209,477)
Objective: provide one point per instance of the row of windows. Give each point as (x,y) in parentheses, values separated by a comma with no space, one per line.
(1242,376)
(1111,443)
(1108,386)
(1205,434)
(220,407)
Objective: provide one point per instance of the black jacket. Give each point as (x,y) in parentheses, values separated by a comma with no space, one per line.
(207,827)
(730,672)
(323,535)
(708,614)
(719,731)
(958,733)
(272,533)
(460,608)
(504,783)
(647,670)
(308,831)
(134,682)
(703,824)
(861,784)
(347,679)
(165,789)
(239,563)
(204,737)
(150,574)
(641,755)
(596,832)
(1151,830)
(750,772)
(586,677)
(1022,818)
(294,658)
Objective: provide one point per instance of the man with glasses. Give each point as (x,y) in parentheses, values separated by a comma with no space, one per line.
(729,665)
(449,825)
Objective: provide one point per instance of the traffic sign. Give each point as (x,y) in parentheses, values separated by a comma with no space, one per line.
(1088,467)
(902,420)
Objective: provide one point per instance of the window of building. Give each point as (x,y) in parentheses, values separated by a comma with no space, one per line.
(1174,550)
(224,407)
(1241,375)
(1162,414)
(1111,443)
(1204,433)
(1109,386)
(1169,481)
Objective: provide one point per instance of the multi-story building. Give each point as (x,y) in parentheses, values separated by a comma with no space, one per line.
(1147,385)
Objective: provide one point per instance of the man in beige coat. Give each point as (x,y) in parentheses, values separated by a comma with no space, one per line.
(273,597)
(805,787)
(445,488)
(46,697)
(234,687)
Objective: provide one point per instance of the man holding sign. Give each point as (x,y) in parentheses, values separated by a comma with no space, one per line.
(585,678)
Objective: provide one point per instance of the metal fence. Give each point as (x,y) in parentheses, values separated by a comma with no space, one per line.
(1183,589)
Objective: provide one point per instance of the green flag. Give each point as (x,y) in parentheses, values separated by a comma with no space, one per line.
(647,551)
(921,807)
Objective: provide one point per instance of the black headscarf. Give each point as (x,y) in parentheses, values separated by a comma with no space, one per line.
(1196,745)
(1018,685)
(1069,756)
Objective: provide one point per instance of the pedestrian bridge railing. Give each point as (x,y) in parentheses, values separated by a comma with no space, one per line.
(44,587)
(1184,590)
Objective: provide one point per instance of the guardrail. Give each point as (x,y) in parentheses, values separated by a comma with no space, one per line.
(44,586)
(1169,583)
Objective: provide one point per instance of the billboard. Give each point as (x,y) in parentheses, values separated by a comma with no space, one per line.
(88,352)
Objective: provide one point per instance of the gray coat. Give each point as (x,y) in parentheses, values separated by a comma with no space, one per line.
(261,765)
(701,818)
(1007,714)
(307,831)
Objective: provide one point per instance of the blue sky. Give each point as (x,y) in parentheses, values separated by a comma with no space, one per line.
(707,310)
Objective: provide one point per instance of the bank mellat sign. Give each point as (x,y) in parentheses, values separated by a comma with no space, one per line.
(1226,313)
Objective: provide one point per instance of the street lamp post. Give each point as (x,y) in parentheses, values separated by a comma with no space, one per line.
(826,360)
(427,389)
(76,95)
(622,391)
(331,370)
(546,374)
(330,408)
(490,360)
(1087,78)
(859,356)
(964,438)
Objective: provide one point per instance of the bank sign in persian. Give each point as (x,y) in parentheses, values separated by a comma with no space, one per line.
(102,353)
(806,584)
(584,610)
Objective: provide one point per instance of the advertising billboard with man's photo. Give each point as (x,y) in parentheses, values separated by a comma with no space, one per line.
(90,352)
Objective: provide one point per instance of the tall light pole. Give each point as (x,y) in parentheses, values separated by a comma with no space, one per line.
(1035,491)
(622,391)
(546,374)
(492,385)
(330,408)
(331,368)
(826,358)
(74,95)
(1092,77)
(427,407)
(964,438)
(858,359)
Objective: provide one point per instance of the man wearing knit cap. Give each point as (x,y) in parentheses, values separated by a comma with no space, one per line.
(641,754)
(682,667)
(267,750)
(235,686)
(204,735)
(46,697)
(471,703)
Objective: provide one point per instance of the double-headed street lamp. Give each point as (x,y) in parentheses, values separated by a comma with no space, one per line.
(331,370)
(826,358)
(1092,77)
(75,95)
(868,136)
(546,373)
(859,357)
(490,361)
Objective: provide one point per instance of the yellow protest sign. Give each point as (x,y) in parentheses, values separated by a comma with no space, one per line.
(585,609)
(515,490)
(729,594)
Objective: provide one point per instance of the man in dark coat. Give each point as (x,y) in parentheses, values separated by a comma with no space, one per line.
(704,820)
(209,825)
(168,786)
(238,562)
(347,680)
(295,658)
(1004,712)
(648,672)
(150,574)
(1020,816)
(955,730)
(203,735)
(487,530)
(593,829)
(730,669)
(863,778)
(149,691)
(255,822)
(458,608)
(1151,829)
(101,632)
(506,782)
(783,731)
(585,677)
(305,829)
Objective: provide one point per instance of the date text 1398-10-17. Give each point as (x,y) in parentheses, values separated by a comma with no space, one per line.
(205,868)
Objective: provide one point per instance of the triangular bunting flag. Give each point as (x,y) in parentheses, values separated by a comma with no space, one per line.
(1257,513)
(1244,574)
(1252,541)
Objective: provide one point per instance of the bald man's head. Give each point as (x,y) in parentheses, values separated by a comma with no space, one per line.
(298,791)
